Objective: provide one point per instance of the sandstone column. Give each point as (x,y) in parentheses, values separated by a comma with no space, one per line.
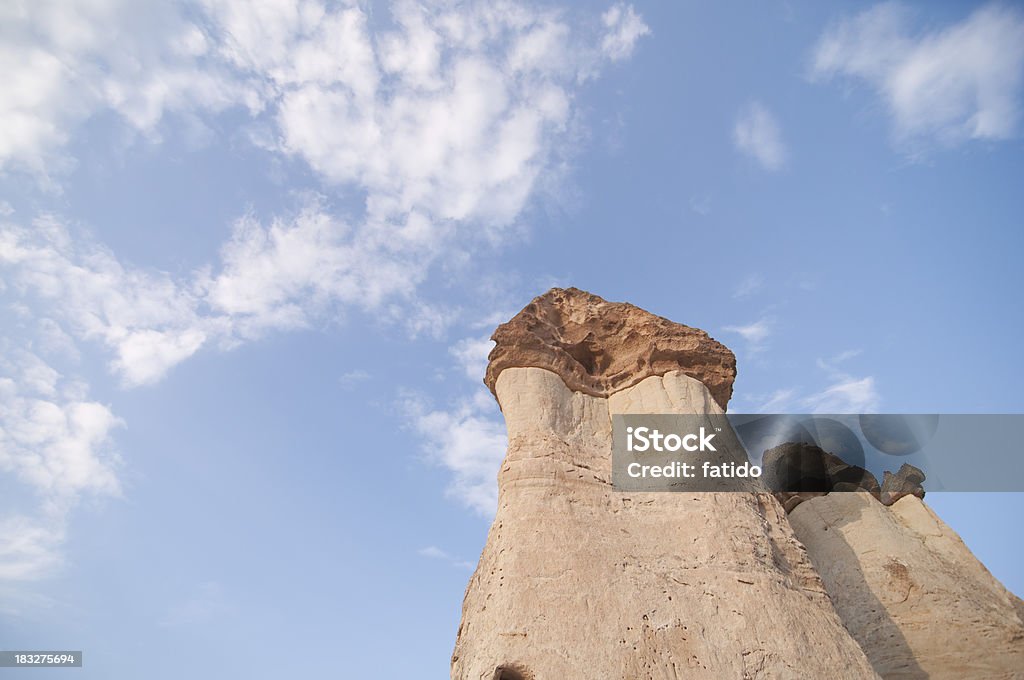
(579,581)
(909,590)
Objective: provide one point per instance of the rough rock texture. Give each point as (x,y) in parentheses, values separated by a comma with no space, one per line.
(580,582)
(906,482)
(910,591)
(797,471)
(600,347)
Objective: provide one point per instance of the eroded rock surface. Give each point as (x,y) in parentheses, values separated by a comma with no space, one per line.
(578,581)
(599,347)
(906,482)
(909,590)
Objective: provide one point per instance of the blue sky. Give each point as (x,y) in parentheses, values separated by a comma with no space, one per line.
(251,254)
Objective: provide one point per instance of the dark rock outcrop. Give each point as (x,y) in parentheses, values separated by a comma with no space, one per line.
(906,482)
(797,471)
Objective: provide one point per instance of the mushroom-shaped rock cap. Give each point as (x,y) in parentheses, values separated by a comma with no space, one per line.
(600,347)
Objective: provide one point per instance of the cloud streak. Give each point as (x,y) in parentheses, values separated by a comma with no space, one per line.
(758,135)
(844,392)
(756,334)
(951,84)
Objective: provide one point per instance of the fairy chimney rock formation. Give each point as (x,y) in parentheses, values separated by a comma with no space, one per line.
(580,581)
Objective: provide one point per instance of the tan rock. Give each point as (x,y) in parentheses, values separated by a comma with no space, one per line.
(580,582)
(600,347)
(909,590)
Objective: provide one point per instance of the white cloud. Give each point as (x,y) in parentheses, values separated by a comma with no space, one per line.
(57,444)
(65,62)
(29,548)
(830,364)
(701,205)
(351,379)
(758,135)
(844,393)
(624,28)
(149,320)
(445,124)
(274,276)
(960,82)
(434,553)
(756,333)
(280,276)
(19,602)
(748,286)
(469,440)
(847,395)
(778,401)
(453,114)
(51,438)
(471,355)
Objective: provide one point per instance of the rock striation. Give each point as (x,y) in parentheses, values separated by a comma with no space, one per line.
(579,581)
(599,347)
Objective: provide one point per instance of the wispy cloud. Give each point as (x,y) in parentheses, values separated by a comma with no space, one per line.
(30,547)
(758,135)
(831,364)
(57,444)
(471,355)
(467,436)
(847,395)
(623,27)
(756,334)
(351,379)
(843,392)
(950,84)
(701,205)
(779,401)
(748,286)
(434,553)
(468,439)
(447,123)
